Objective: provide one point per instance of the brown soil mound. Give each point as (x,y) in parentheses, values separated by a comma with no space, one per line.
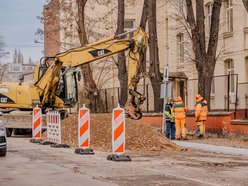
(139,138)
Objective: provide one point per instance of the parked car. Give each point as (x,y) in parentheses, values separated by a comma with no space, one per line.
(3,140)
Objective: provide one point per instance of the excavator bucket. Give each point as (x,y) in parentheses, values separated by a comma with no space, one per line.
(132,110)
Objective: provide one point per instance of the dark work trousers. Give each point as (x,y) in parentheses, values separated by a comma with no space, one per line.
(170,130)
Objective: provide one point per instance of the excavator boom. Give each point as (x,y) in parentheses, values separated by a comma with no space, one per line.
(48,83)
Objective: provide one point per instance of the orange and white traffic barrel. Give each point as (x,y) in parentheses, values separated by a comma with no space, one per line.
(36,125)
(118,136)
(84,127)
(118,131)
(84,131)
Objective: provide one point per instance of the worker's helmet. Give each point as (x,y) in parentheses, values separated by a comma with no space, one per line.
(179,98)
(198,96)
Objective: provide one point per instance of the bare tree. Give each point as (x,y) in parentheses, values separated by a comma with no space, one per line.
(121,64)
(2,48)
(154,70)
(3,69)
(143,19)
(18,57)
(90,87)
(143,22)
(205,54)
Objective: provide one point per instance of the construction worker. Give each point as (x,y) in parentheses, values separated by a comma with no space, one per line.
(201,109)
(180,110)
(170,120)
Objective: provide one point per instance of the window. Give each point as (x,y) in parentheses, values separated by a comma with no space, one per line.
(209,16)
(213,87)
(129,24)
(230,72)
(16,68)
(180,47)
(229,16)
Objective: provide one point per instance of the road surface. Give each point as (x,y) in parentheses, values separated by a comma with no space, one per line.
(34,165)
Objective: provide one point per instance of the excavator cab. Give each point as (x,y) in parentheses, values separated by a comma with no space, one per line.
(67,89)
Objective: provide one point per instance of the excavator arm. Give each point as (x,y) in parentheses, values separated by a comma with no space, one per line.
(47,84)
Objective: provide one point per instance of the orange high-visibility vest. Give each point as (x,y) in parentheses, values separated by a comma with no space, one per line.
(201,111)
(180,110)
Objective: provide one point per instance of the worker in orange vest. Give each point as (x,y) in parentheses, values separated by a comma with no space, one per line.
(201,111)
(180,110)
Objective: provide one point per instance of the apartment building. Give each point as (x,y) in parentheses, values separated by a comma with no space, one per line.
(175,49)
(12,72)
(229,87)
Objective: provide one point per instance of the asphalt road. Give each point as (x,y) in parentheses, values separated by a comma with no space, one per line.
(34,165)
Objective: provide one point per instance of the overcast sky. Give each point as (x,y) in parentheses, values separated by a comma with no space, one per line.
(18,24)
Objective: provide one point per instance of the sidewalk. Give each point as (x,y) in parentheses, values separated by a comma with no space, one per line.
(213,148)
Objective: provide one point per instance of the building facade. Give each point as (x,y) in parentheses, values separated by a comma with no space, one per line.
(230,84)
(13,72)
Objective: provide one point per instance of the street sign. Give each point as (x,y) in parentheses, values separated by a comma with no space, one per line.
(165,90)
(166,73)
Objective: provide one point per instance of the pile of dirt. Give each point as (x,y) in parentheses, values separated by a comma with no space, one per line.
(139,138)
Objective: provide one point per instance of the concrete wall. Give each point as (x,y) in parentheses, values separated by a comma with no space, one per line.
(217,122)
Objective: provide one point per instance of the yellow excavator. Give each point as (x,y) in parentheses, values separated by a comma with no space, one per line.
(55,79)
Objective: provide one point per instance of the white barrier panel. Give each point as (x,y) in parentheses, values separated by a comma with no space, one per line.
(53,127)
(36,124)
(118,130)
(84,127)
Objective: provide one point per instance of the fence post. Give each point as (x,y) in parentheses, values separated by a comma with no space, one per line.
(236,98)
(147,98)
(118,94)
(106,100)
(95,96)
(228,93)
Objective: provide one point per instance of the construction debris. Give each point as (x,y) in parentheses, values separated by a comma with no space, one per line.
(140,138)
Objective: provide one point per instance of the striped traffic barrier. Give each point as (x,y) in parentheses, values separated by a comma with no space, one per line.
(118,136)
(36,125)
(84,132)
(54,130)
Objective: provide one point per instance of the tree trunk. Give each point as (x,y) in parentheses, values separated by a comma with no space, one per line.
(143,23)
(154,70)
(90,87)
(121,64)
(246,4)
(205,56)
(144,15)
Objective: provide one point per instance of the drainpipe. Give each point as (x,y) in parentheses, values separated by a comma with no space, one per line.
(236,101)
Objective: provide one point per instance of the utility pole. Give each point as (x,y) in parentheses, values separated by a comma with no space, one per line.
(166,93)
